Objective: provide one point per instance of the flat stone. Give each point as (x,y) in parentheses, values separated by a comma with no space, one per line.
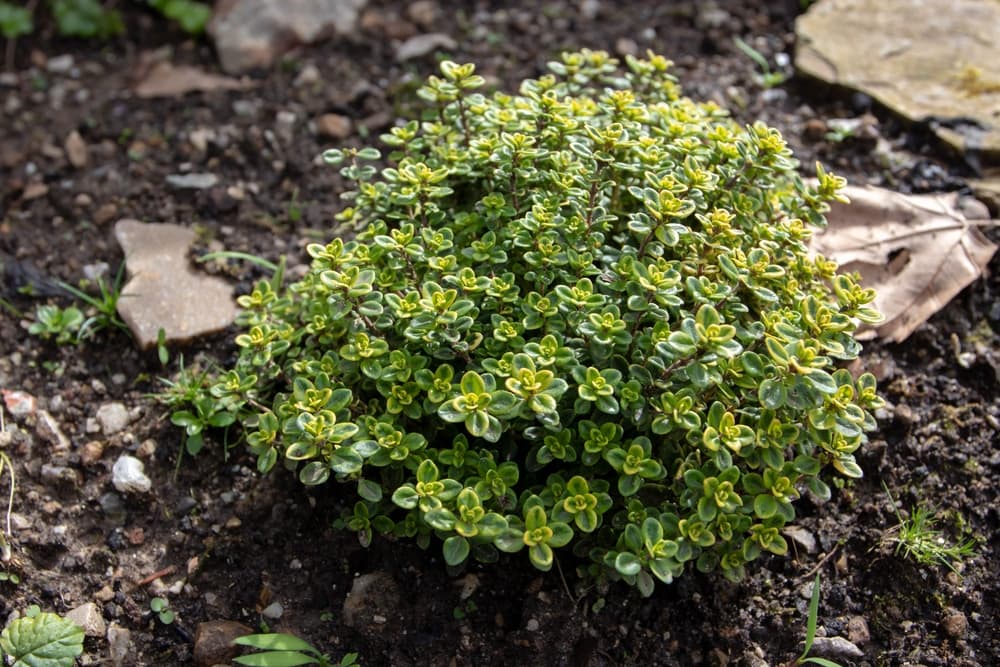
(801,537)
(163,291)
(930,62)
(422,45)
(213,642)
(88,616)
(253,33)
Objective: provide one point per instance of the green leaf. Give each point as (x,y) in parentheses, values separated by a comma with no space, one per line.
(45,640)
(276,659)
(456,550)
(811,617)
(765,506)
(627,564)
(822,662)
(276,641)
(369,490)
(313,473)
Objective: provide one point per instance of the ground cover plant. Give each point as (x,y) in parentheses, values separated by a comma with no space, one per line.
(582,315)
(237,542)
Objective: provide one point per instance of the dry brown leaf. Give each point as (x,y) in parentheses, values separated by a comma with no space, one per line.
(916,251)
(166,80)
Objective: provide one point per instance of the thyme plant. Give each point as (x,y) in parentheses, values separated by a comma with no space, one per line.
(582,316)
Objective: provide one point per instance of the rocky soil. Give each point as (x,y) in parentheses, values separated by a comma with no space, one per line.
(80,150)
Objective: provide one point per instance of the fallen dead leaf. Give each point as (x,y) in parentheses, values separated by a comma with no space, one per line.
(916,251)
(166,80)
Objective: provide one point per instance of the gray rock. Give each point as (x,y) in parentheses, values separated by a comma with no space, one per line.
(56,475)
(857,630)
(421,45)
(284,125)
(164,292)
(273,611)
(60,64)
(129,476)
(373,594)
(836,648)
(801,537)
(924,60)
(192,181)
(88,616)
(113,417)
(253,33)
(213,642)
(119,644)
(113,507)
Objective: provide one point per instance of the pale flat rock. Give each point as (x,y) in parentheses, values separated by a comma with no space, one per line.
(422,45)
(163,292)
(165,79)
(253,33)
(88,616)
(930,61)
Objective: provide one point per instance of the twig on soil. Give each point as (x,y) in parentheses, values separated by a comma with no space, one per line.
(170,569)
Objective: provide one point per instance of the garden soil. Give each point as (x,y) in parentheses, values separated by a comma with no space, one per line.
(222,543)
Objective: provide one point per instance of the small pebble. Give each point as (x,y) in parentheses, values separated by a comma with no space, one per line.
(113,507)
(60,64)
(955,624)
(113,417)
(192,181)
(19,403)
(857,630)
(273,611)
(129,476)
(119,644)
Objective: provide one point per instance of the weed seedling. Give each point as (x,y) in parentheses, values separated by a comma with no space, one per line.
(813,614)
(917,537)
(767,78)
(161,607)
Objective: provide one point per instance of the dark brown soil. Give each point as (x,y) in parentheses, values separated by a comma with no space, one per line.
(235,543)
